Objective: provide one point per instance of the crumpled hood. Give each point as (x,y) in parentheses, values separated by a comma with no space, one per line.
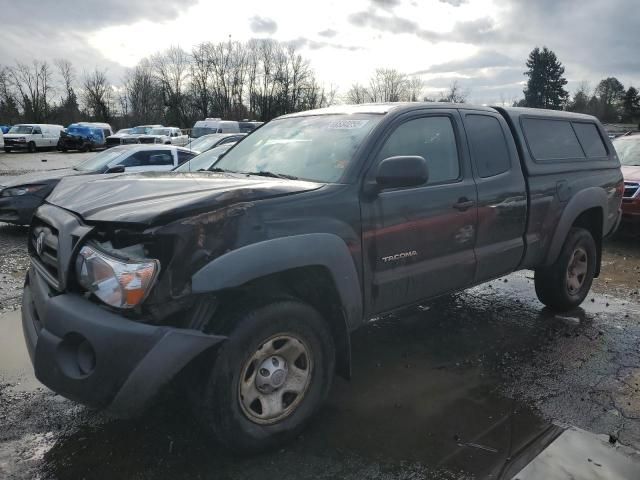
(159,197)
(37,177)
(631,173)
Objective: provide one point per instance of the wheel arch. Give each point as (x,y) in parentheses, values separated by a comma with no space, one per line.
(585,210)
(315,268)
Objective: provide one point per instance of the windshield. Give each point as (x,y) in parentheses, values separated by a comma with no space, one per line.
(197,132)
(140,130)
(315,148)
(101,160)
(205,160)
(204,143)
(628,150)
(123,131)
(21,129)
(160,131)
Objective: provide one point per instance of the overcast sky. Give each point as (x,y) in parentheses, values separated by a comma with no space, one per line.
(482,43)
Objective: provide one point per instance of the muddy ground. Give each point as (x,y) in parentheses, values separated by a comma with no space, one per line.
(459,388)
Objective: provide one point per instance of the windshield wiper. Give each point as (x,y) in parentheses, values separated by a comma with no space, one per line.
(272,175)
(218,170)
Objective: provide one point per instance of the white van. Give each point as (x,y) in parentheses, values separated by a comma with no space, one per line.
(214,125)
(32,136)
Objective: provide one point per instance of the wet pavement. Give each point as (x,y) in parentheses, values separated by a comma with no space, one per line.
(473,386)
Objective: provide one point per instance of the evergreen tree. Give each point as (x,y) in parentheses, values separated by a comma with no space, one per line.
(610,92)
(630,105)
(545,87)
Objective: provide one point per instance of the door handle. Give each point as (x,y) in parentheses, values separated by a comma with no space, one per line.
(464,204)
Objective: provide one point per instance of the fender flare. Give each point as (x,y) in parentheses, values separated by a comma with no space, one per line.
(593,197)
(257,260)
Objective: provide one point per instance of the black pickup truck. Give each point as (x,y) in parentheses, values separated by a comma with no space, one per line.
(245,281)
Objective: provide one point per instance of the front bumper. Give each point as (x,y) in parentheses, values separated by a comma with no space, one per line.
(19,210)
(13,145)
(73,143)
(91,355)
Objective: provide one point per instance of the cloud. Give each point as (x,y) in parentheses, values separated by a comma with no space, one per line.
(263,25)
(482,60)
(302,42)
(454,3)
(328,33)
(386,4)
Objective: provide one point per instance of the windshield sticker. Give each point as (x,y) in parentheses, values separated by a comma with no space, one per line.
(347,124)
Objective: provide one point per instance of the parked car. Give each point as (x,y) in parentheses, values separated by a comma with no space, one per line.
(84,136)
(317,222)
(32,136)
(214,125)
(248,126)
(205,160)
(131,136)
(1,140)
(207,142)
(166,136)
(20,196)
(628,148)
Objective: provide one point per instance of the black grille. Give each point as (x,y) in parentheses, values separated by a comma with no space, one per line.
(147,140)
(112,142)
(630,189)
(44,248)
(12,142)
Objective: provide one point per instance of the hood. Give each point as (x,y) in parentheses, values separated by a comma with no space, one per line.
(160,197)
(631,173)
(38,177)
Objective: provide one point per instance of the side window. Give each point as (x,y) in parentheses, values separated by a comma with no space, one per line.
(138,159)
(551,140)
(160,157)
(432,138)
(184,156)
(228,140)
(590,140)
(37,131)
(488,145)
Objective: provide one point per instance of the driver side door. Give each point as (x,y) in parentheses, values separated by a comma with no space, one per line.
(418,242)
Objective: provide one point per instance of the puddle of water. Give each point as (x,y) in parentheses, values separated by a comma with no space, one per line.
(14,358)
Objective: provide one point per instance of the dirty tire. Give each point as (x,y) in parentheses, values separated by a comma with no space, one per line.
(218,400)
(552,283)
(31,147)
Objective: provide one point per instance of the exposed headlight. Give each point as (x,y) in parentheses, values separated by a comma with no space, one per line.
(21,190)
(121,284)
(21,139)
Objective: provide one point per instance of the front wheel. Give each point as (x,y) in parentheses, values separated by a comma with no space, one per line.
(565,284)
(271,375)
(31,147)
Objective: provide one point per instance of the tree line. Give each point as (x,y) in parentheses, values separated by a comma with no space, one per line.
(609,100)
(258,79)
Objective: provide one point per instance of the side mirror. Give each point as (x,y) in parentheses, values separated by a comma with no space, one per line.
(116,169)
(404,171)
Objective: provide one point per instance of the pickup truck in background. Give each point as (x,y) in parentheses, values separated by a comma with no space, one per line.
(165,136)
(248,279)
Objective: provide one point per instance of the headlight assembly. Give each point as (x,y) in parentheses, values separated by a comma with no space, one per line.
(119,283)
(21,190)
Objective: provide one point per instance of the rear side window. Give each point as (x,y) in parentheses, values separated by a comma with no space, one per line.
(184,156)
(551,140)
(488,145)
(590,140)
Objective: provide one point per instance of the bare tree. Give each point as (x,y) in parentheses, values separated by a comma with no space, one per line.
(143,95)
(68,110)
(34,86)
(388,85)
(171,68)
(97,95)
(455,93)
(8,105)
(415,86)
(357,94)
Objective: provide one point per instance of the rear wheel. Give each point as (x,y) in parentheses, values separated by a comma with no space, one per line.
(270,376)
(565,284)
(31,147)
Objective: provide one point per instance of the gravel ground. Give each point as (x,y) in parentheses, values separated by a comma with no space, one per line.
(454,389)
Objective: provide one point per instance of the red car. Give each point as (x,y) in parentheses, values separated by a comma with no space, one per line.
(628,149)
